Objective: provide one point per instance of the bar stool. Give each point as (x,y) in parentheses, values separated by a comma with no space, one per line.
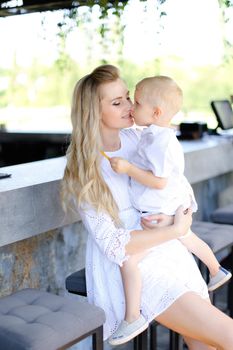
(31,319)
(76,284)
(219,237)
(224,215)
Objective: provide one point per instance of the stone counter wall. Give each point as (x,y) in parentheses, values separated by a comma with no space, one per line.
(212,194)
(43,261)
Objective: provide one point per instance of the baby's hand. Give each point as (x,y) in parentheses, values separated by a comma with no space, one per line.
(119,165)
(183,220)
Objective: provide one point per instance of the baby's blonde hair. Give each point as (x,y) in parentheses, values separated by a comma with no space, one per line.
(83,181)
(162,91)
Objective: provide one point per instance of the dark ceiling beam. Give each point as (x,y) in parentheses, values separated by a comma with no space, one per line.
(11,8)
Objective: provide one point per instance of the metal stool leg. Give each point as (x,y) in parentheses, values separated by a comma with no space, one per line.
(176,341)
(141,342)
(135,343)
(230,286)
(153,336)
(97,339)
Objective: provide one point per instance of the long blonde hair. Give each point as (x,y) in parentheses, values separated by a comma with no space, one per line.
(83,181)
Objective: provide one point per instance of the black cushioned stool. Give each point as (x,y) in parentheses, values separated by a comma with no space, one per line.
(218,237)
(76,284)
(224,215)
(35,320)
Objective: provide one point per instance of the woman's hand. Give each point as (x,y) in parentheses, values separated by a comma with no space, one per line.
(183,220)
(156,220)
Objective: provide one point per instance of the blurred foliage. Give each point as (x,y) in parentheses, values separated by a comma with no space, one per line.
(51,86)
(43,86)
(225,3)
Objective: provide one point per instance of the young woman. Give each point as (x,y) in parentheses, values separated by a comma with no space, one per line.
(173,291)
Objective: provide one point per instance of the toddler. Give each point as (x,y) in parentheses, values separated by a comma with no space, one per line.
(158,185)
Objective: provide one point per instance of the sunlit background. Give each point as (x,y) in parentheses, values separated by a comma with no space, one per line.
(40,61)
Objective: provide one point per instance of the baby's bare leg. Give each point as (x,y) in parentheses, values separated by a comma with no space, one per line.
(132,286)
(199,248)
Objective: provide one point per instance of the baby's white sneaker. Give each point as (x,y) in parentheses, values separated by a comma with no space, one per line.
(219,279)
(127,331)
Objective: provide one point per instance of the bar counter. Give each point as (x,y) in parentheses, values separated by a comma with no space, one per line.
(29,200)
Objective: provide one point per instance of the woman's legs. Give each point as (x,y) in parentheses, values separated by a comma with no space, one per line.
(194,344)
(197,345)
(195,318)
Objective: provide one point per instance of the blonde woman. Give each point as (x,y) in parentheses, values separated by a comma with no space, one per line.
(173,291)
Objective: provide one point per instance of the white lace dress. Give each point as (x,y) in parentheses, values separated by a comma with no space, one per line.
(168,271)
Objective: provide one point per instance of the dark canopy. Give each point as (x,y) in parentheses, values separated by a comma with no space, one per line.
(19,7)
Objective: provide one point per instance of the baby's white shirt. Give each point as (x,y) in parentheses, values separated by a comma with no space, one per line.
(160,152)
